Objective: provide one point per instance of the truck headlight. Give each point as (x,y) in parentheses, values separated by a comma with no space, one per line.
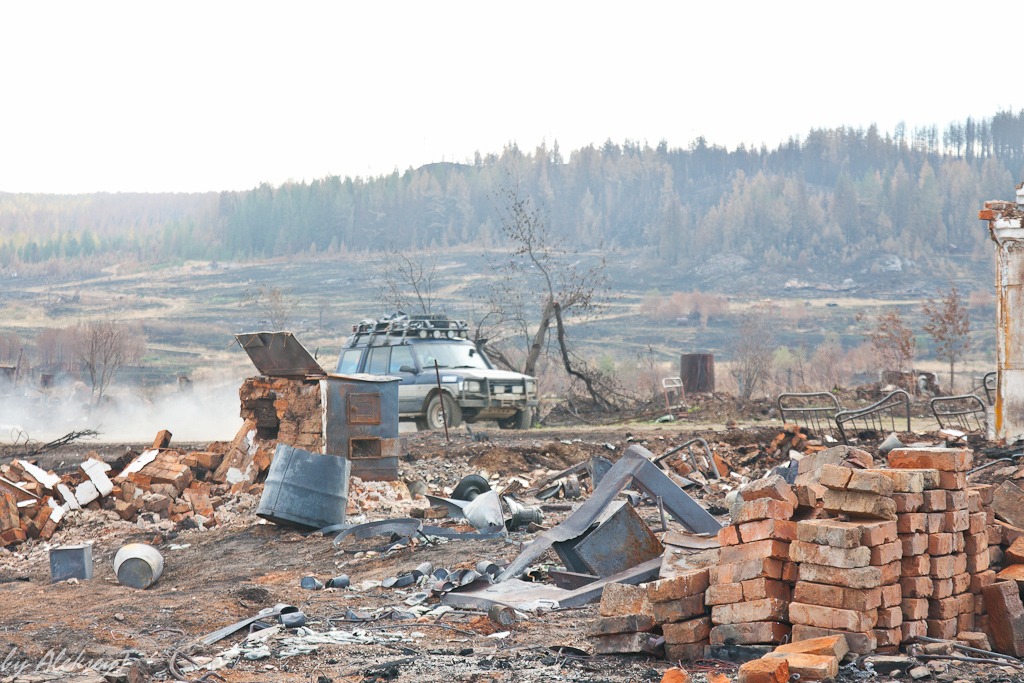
(531,386)
(473,386)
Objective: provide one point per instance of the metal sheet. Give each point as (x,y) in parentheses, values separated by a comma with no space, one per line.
(526,595)
(620,541)
(633,467)
(279,354)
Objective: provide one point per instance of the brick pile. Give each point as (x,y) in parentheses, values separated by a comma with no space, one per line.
(750,587)
(852,567)
(181,486)
(935,573)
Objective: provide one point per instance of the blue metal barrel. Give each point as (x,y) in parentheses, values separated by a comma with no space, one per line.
(305,489)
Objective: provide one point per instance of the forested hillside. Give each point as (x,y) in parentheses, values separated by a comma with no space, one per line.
(834,196)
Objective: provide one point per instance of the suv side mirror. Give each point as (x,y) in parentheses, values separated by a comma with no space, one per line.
(407,368)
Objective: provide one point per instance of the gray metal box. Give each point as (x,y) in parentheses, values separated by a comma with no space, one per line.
(70,562)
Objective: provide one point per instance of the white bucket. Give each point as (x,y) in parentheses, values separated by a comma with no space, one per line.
(138,565)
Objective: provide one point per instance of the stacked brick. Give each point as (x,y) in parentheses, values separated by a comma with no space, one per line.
(849,571)
(677,604)
(981,543)
(750,587)
(626,624)
(935,524)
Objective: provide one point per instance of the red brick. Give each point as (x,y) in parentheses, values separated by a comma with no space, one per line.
(889,617)
(915,565)
(952,480)
(892,595)
(678,610)
(912,522)
(888,637)
(767,529)
(965,623)
(831,646)
(724,594)
(692,631)
(772,487)
(799,551)
(913,629)
(619,599)
(757,589)
(908,502)
(956,500)
(941,588)
(976,522)
(832,618)
(860,643)
(961,583)
(886,553)
(934,501)
(751,569)
(860,577)
(914,609)
(749,633)
(768,609)
(858,504)
(728,535)
(1014,554)
(837,596)
(942,628)
(940,544)
(1005,617)
(942,459)
(978,543)
(946,608)
(633,623)
(982,579)
(957,520)
(809,667)
(753,551)
(914,544)
(762,508)
(977,563)
(764,671)
(681,586)
(916,586)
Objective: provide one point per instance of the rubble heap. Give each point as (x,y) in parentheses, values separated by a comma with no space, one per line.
(165,483)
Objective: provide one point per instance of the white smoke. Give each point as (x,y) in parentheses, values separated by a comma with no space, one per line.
(207,412)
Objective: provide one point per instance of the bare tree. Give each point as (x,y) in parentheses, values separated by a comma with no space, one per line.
(949,327)
(272,303)
(753,352)
(407,283)
(540,289)
(102,347)
(891,340)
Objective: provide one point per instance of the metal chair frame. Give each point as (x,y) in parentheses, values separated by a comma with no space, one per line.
(816,418)
(873,417)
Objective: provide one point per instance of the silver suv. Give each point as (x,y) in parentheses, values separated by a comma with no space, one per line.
(439,365)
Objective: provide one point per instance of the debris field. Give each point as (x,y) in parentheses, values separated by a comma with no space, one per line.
(591,554)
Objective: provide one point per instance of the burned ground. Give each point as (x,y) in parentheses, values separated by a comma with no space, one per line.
(216,576)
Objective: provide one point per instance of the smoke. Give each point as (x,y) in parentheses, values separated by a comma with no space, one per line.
(207,411)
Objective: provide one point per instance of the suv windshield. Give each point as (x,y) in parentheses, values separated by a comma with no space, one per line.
(449,356)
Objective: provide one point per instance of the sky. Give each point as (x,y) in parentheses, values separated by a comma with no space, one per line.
(221,95)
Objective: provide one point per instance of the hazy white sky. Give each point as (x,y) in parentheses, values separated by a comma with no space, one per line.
(193,96)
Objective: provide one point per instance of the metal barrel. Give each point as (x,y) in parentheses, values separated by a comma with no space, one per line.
(305,489)
(138,565)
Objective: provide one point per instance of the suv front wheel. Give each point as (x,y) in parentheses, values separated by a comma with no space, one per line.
(434,419)
(521,420)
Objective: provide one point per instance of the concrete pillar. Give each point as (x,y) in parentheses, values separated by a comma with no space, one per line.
(1004,226)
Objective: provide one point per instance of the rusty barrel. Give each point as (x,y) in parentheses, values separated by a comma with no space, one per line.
(305,489)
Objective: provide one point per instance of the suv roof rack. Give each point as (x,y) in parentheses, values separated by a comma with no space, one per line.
(423,326)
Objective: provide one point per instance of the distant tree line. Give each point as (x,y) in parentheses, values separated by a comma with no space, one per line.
(839,193)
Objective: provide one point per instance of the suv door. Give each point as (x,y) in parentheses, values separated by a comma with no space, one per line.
(409,399)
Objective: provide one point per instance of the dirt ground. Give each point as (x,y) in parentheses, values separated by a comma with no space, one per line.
(213,578)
